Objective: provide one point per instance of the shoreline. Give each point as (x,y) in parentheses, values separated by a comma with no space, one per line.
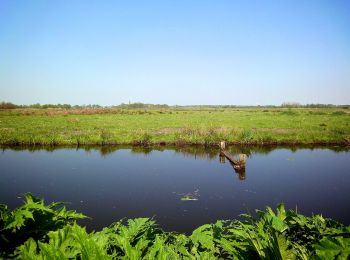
(178,144)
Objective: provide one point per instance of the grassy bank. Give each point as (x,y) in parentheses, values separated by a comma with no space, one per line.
(174,126)
(38,231)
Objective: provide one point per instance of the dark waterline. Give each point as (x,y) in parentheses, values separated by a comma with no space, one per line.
(110,183)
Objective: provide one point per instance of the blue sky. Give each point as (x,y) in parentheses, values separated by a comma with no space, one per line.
(175,52)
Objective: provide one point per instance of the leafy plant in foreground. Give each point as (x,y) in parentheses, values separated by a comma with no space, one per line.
(33,220)
(273,235)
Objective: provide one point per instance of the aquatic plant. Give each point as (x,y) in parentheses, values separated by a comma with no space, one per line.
(51,232)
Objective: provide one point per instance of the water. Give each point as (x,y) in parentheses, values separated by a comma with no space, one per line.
(110,183)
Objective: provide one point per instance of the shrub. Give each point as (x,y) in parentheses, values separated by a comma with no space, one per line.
(49,233)
(33,220)
(338,113)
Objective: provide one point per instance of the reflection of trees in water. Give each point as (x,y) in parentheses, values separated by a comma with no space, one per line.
(198,152)
(141,150)
(191,151)
(187,151)
(209,153)
(212,152)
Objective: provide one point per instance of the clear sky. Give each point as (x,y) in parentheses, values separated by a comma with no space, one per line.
(175,52)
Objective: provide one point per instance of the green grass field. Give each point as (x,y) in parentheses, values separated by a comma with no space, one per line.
(174,126)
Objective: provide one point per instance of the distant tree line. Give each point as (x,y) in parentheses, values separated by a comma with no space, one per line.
(296,104)
(139,105)
(326,105)
(9,105)
(291,104)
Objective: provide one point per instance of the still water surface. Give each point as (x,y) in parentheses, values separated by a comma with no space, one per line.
(112,182)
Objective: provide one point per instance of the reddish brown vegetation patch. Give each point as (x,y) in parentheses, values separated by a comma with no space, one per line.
(275,130)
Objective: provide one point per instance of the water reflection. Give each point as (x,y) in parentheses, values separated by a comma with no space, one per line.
(239,165)
(190,150)
(193,151)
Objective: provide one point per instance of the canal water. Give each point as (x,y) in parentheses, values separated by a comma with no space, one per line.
(181,188)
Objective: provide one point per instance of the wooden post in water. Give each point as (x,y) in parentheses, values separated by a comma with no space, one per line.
(243,158)
(222,145)
(240,163)
(222,158)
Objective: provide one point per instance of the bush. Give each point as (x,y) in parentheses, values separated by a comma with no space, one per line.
(7,105)
(49,233)
(32,220)
(338,113)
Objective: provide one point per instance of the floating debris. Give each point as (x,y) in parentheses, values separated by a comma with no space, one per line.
(191,196)
(251,191)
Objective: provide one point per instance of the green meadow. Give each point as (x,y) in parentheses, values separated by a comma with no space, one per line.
(174,126)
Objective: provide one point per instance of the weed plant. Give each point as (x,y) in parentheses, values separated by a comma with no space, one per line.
(38,231)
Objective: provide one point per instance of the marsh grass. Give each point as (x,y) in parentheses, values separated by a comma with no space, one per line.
(337,113)
(317,113)
(105,136)
(289,112)
(145,139)
(246,135)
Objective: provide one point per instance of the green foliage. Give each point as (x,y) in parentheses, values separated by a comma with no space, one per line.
(337,113)
(105,136)
(283,234)
(246,136)
(72,241)
(289,112)
(145,139)
(333,248)
(34,220)
(8,105)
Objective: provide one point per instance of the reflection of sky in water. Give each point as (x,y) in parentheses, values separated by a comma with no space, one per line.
(124,183)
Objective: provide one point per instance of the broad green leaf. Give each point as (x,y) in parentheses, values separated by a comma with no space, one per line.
(203,236)
(278,224)
(281,212)
(284,251)
(333,248)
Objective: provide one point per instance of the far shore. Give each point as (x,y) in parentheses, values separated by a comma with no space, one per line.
(175,127)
